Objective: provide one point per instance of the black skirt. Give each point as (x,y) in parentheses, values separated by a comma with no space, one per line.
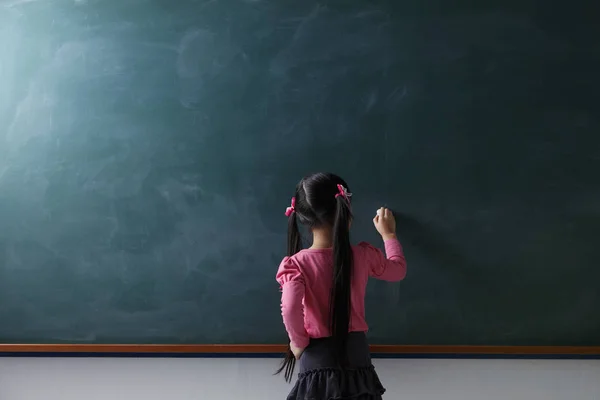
(320,377)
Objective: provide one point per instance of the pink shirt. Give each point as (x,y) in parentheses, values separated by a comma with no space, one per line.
(306,279)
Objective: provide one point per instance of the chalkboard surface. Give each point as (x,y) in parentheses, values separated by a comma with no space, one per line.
(148,149)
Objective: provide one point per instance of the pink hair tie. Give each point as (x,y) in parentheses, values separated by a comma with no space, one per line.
(342,191)
(291,209)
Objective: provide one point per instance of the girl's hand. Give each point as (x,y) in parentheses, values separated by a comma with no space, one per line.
(297,351)
(385,223)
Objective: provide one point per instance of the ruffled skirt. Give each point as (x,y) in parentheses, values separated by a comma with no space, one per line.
(320,378)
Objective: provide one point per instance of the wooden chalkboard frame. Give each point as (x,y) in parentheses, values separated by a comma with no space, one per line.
(267,351)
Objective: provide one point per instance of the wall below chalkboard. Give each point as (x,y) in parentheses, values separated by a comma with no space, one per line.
(252,379)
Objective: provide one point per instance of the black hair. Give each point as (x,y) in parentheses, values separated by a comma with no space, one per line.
(317,205)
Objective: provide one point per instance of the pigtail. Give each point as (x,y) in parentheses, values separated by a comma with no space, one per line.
(294,242)
(342,275)
(294,245)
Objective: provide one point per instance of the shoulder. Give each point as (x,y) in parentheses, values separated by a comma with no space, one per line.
(295,261)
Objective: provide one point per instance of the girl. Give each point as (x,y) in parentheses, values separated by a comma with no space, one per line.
(323,290)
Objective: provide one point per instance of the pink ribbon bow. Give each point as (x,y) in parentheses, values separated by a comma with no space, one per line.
(291,209)
(342,191)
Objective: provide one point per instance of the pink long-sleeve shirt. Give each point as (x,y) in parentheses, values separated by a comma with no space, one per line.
(306,280)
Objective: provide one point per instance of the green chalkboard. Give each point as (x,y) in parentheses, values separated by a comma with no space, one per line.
(148,149)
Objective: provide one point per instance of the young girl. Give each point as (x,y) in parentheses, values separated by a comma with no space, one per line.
(323,291)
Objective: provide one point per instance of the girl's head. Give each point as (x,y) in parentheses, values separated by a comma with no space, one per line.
(322,201)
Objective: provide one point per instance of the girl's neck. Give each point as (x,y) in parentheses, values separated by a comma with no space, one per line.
(322,238)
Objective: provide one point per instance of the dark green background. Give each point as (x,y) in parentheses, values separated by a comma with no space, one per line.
(148,150)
